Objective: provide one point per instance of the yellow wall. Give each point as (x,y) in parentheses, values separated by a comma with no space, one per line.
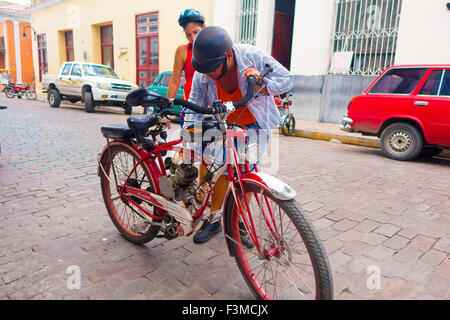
(85,17)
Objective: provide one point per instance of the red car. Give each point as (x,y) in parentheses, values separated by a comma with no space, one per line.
(408,108)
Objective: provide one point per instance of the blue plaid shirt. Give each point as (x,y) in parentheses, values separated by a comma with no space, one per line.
(263,107)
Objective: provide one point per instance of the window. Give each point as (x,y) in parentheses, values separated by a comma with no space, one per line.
(166,80)
(42,54)
(107,47)
(431,86)
(398,81)
(147,47)
(66,69)
(444,89)
(367,29)
(96,70)
(69,46)
(147,24)
(248,17)
(76,70)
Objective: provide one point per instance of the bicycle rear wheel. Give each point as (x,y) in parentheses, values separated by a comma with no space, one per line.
(127,217)
(9,94)
(291,263)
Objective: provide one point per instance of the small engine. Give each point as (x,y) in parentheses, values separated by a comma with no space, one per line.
(177,186)
(185,174)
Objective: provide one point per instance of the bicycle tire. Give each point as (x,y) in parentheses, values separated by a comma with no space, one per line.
(31,95)
(288,125)
(9,94)
(303,230)
(113,209)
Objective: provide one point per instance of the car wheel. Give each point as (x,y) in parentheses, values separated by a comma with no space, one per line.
(54,98)
(89,102)
(401,141)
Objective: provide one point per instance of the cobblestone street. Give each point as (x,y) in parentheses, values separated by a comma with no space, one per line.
(368,210)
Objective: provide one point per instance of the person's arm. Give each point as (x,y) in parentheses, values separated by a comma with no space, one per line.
(174,84)
(278,82)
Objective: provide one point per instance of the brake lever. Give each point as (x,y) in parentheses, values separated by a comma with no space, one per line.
(267,70)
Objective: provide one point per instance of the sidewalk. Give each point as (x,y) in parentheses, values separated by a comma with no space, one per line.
(332,132)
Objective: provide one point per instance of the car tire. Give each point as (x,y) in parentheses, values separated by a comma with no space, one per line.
(54,98)
(401,141)
(89,102)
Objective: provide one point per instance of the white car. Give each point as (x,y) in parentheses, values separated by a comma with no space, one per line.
(93,84)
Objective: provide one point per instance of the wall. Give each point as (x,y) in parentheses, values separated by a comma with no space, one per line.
(424,33)
(311,48)
(81,15)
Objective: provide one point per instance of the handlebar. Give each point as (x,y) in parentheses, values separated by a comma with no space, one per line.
(220,108)
(141,97)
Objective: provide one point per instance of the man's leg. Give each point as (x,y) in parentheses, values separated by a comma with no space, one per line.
(209,229)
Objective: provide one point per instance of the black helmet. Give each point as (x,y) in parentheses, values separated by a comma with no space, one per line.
(190,15)
(210,49)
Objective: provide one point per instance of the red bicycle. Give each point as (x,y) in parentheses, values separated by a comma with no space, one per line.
(149,194)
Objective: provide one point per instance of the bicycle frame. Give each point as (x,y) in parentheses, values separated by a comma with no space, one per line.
(237,175)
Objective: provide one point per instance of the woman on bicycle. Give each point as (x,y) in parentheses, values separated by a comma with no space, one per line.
(192,23)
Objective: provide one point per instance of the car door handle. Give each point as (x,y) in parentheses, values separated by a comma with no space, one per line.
(420,103)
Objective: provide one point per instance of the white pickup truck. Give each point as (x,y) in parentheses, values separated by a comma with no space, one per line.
(92,84)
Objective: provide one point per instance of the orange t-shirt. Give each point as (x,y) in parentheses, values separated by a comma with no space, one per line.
(246,118)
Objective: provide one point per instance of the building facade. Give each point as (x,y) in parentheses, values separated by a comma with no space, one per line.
(137,39)
(16,58)
(336,48)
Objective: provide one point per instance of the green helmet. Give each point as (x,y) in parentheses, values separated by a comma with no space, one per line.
(190,15)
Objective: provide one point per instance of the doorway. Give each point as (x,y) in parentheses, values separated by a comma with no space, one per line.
(283,26)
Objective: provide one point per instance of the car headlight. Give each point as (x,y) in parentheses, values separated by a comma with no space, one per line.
(104,86)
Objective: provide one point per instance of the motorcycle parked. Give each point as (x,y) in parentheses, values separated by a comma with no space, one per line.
(12,90)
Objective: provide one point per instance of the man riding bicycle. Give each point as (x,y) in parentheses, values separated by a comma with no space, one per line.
(222,68)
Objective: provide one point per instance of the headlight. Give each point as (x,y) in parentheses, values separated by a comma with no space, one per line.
(104,86)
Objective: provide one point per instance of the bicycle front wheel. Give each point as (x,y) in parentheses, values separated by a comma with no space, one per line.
(288,126)
(291,262)
(126,216)
(31,95)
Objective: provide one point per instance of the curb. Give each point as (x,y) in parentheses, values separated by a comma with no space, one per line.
(371,142)
(360,141)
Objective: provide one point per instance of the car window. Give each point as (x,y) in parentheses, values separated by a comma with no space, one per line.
(76,70)
(166,80)
(66,69)
(445,85)
(99,71)
(431,86)
(398,81)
